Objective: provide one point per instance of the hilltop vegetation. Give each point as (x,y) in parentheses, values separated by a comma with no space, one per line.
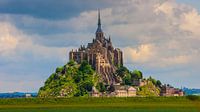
(76,80)
(148,90)
(69,80)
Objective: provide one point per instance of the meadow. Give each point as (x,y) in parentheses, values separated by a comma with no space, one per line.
(134,104)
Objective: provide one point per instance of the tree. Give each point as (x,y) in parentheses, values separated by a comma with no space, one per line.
(71,63)
(88,85)
(137,74)
(148,90)
(101,87)
(127,79)
(52,76)
(69,89)
(152,80)
(158,83)
(77,78)
(122,71)
(59,69)
(84,79)
(85,68)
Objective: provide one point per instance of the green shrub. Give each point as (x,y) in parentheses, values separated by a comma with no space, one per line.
(101,87)
(59,69)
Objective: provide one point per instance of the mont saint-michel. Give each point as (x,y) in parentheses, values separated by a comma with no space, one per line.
(99,55)
(97,69)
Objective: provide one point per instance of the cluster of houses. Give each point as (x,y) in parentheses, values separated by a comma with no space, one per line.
(167,90)
(119,91)
(131,91)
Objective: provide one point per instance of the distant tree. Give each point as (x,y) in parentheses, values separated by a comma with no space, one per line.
(59,69)
(88,85)
(71,70)
(71,63)
(101,87)
(152,80)
(141,75)
(158,83)
(122,71)
(84,87)
(69,89)
(127,79)
(77,78)
(84,79)
(137,74)
(52,76)
(86,68)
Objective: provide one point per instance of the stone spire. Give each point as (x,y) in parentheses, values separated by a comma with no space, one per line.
(99,23)
(99,32)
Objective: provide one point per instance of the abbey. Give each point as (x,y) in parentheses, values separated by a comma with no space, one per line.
(101,55)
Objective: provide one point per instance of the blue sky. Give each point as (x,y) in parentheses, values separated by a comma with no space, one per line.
(159,37)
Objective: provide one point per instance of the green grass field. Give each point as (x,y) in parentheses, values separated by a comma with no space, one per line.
(144,104)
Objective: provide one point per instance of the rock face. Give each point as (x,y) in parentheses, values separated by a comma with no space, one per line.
(101,55)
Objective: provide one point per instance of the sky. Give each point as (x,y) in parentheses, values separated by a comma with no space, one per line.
(159,37)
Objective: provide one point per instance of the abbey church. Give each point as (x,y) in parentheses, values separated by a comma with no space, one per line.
(101,55)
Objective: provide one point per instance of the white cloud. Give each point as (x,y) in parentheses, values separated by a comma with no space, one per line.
(7,42)
(158,33)
(177,60)
(167,7)
(191,22)
(14,43)
(141,54)
(17,53)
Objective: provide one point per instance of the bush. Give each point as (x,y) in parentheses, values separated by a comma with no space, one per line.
(59,69)
(122,72)
(127,80)
(101,87)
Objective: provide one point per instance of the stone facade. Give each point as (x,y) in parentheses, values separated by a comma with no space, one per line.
(124,91)
(101,55)
(120,91)
(167,90)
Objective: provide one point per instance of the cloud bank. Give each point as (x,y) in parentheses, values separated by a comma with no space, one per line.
(159,37)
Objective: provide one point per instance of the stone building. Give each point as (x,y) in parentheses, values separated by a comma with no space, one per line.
(100,54)
(120,91)
(124,91)
(167,90)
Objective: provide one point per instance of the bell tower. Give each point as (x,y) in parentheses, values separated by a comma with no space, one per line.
(99,32)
